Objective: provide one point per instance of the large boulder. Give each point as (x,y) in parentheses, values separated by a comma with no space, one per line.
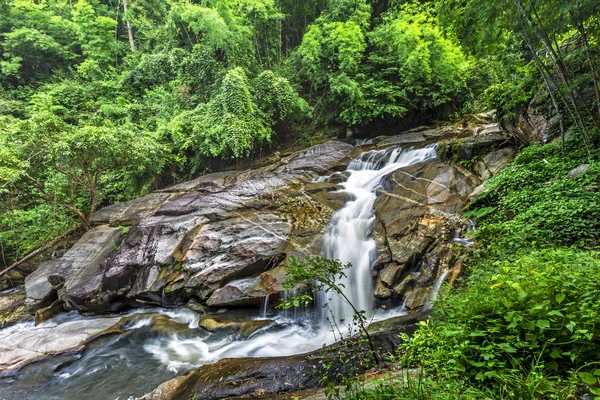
(188,240)
(77,272)
(417,219)
(491,164)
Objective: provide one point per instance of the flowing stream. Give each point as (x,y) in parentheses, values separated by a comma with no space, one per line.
(348,237)
(159,344)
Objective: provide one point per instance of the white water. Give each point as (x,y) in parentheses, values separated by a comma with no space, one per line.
(106,369)
(433,294)
(348,237)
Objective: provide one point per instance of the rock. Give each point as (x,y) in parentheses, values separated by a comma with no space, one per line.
(23,345)
(478,191)
(80,269)
(164,325)
(250,291)
(488,129)
(12,309)
(538,124)
(423,135)
(478,145)
(235,322)
(130,212)
(417,297)
(409,138)
(190,239)
(579,170)
(209,183)
(44,314)
(196,306)
(235,248)
(270,376)
(321,159)
(494,162)
(402,323)
(417,212)
(166,391)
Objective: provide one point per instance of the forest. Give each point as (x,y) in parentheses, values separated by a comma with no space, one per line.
(105,101)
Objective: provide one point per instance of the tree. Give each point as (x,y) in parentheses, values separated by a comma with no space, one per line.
(95,32)
(45,159)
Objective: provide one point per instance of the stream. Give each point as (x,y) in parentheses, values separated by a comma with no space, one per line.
(158,344)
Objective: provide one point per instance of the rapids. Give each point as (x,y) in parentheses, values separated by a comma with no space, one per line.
(159,344)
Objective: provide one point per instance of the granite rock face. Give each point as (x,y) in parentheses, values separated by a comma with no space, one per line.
(186,241)
(222,239)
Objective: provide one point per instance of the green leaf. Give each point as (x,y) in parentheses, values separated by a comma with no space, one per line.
(587,378)
(560,298)
(543,323)
(556,313)
(507,348)
(555,354)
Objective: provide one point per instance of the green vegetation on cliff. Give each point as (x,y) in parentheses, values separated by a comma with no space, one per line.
(103,101)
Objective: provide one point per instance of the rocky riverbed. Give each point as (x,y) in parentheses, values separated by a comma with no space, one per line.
(218,245)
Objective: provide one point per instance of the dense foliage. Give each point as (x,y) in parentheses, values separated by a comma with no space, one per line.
(102,101)
(525,322)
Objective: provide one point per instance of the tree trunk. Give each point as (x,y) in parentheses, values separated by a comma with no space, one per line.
(129,31)
(591,63)
(36,252)
(560,68)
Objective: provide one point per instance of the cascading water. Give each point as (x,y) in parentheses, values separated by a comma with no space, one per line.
(348,237)
(116,367)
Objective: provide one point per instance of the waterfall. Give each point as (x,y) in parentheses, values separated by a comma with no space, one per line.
(348,236)
(435,291)
(265,306)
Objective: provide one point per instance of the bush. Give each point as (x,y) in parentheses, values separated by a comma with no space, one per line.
(524,321)
(535,203)
(538,312)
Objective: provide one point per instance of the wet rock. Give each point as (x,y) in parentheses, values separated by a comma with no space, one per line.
(322,159)
(409,138)
(44,314)
(267,376)
(130,212)
(164,325)
(23,345)
(250,291)
(209,183)
(166,391)
(188,240)
(80,269)
(235,322)
(417,214)
(403,323)
(234,248)
(423,135)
